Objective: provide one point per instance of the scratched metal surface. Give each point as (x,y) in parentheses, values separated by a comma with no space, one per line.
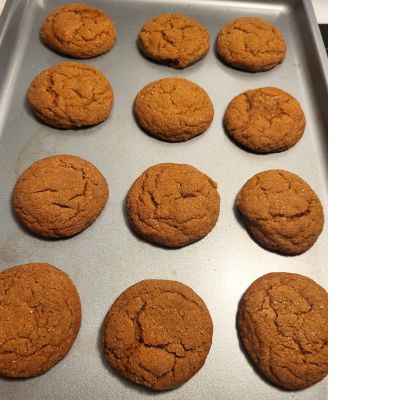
(107,258)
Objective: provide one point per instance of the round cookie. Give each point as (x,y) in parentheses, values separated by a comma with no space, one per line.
(283,325)
(71,95)
(251,44)
(173,109)
(59,196)
(173,39)
(265,120)
(40,316)
(281,211)
(173,205)
(158,333)
(79,30)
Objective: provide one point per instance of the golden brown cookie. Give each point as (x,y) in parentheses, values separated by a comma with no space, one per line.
(40,316)
(283,325)
(59,196)
(173,109)
(251,44)
(174,39)
(158,333)
(281,211)
(71,95)
(79,30)
(265,120)
(173,204)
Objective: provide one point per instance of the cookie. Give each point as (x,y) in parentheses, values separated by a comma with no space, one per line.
(173,205)
(158,334)
(40,316)
(173,39)
(173,109)
(251,44)
(79,30)
(71,95)
(281,211)
(59,196)
(283,325)
(265,120)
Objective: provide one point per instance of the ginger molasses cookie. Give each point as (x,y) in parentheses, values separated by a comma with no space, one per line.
(265,120)
(281,211)
(173,109)
(71,95)
(59,196)
(40,316)
(283,325)
(158,333)
(173,39)
(79,30)
(251,44)
(173,204)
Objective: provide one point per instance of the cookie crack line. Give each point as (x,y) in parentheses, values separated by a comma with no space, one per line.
(277,216)
(74,196)
(95,95)
(161,346)
(71,95)
(293,339)
(165,335)
(181,195)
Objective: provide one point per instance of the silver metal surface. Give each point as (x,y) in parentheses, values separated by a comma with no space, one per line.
(107,257)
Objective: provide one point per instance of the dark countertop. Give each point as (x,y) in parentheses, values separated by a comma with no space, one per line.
(324,32)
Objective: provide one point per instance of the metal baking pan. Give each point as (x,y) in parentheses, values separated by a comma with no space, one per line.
(107,257)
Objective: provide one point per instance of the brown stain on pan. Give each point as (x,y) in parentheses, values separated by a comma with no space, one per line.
(11,249)
(41,144)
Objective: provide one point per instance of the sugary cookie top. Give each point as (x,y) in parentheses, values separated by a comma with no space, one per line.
(79,30)
(158,333)
(174,39)
(251,44)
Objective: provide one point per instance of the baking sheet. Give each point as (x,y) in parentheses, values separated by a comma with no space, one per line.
(107,257)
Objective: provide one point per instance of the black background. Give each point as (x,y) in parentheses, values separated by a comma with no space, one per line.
(324,32)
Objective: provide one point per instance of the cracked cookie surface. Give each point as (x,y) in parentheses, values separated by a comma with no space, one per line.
(265,120)
(283,325)
(173,205)
(251,44)
(158,333)
(40,316)
(59,196)
(174,39)
(173,109)
(71,95)
(281,211)
(79,30)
